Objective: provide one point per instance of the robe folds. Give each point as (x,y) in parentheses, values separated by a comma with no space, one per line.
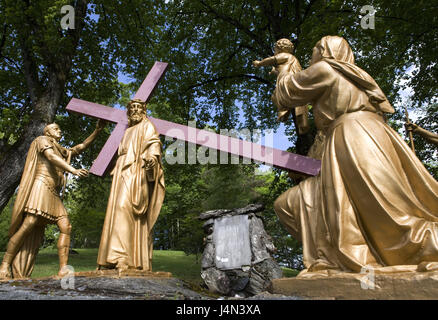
(373,204)
(135,201)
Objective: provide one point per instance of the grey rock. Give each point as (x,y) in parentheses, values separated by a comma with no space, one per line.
(260,241)
(208,256)
(213,214)
(208,226)
(239,262)
(216,280)
(258,283)
(252,208)
(262,274)
(100,288)
(270,268)
(238,280)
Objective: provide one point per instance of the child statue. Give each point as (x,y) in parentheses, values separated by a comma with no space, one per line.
(284,62)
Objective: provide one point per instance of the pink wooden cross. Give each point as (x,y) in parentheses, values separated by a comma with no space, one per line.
(246,149)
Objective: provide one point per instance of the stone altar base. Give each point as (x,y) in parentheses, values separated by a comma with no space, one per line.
(400,286)
(237,257)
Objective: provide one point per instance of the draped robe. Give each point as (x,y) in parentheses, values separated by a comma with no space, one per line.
(135,201)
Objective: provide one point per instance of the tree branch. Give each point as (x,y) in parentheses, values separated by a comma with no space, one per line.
(30,72)
(235,76)
(233,22)
(302,19)
(3,40)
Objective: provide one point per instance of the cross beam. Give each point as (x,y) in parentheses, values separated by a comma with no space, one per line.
(277,158)
(101,164)
(246,149)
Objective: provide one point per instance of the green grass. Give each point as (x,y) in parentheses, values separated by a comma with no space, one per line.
(47,262)
(289,273)
(182,266)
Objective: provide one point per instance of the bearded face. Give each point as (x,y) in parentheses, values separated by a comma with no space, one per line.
(136,113)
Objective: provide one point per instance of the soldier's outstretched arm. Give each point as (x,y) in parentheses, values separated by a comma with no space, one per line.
(62,164)
(84,145)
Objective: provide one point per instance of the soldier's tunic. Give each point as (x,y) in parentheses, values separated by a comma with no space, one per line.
(44,197)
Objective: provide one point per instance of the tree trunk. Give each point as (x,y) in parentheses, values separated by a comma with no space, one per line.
(45,97)
(44,110)
(12,164)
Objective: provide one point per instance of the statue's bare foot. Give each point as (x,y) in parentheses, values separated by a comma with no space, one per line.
(5,273)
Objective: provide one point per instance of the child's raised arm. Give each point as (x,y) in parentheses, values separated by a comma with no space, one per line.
(272,61)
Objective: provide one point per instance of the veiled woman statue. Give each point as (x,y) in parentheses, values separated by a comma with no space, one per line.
(373,203)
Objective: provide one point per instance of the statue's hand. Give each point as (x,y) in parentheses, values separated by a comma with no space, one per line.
(80,172)
(273,71)
(101,124)
(256,63)
(149,163)
(411,126)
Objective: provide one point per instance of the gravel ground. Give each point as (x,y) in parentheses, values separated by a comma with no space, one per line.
(109,288)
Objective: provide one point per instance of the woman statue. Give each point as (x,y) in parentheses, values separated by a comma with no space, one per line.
(373,204)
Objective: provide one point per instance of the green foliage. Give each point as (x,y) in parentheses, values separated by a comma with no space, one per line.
(192,189)
(427,152)
(210,46)
(87,224)
(289,250)
(51,234)
(86,202)
(230,186)
(220,187)
(5,221)
(191,235)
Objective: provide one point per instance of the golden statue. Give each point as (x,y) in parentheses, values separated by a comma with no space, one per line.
(373,203)
(283,62)
(137,194)
(38,202)
(429,136)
